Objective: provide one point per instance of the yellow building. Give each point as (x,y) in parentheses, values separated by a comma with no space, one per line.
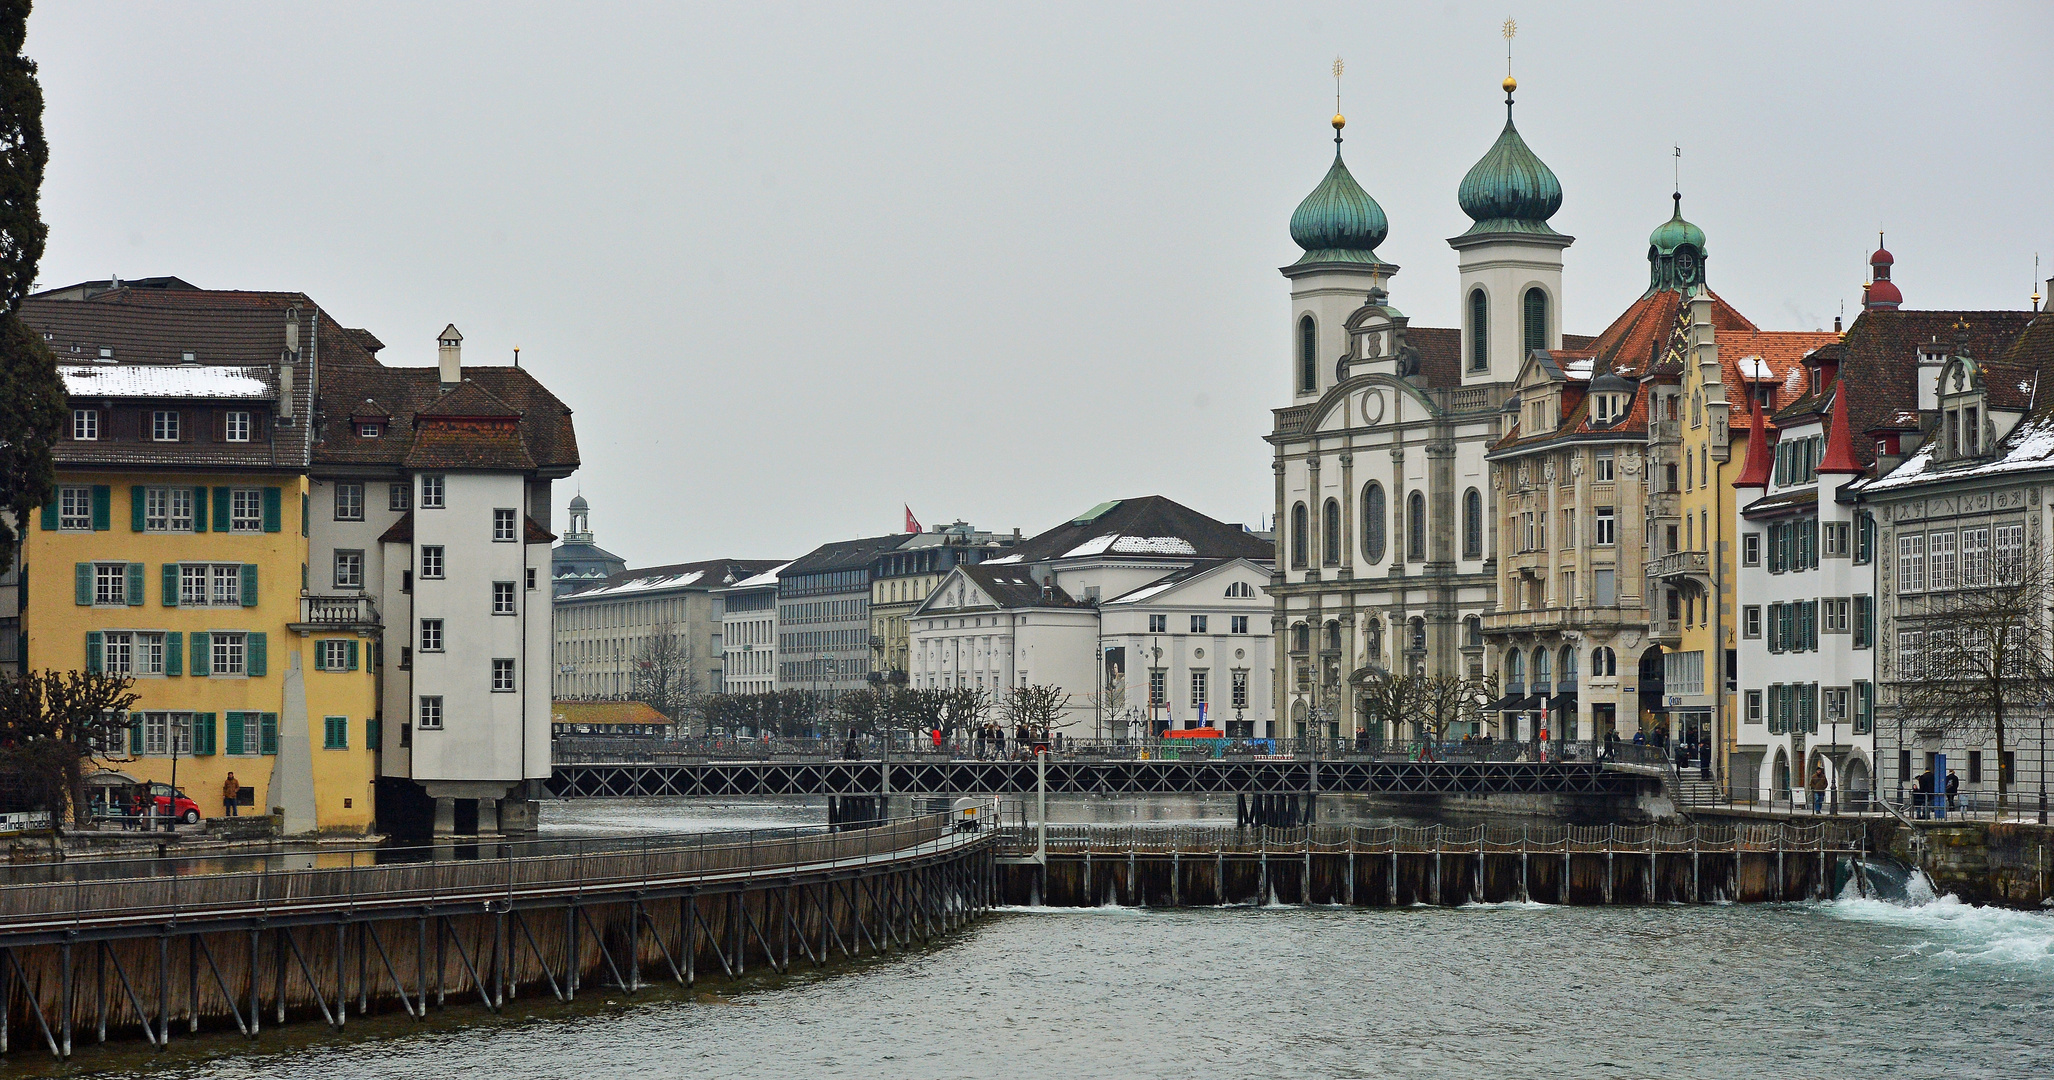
(176,553)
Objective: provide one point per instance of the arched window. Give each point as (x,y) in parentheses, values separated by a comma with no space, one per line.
(1515,672)
(1308,356)
(1331,550)
(1301,638)
(1479,331)
(1418,634)
(1415,527)
(1374,628)
(1333,636)
(1536,319)
(1472,524)
(1240,590)
(1300,536)
(1373,519)
(1604,663)
(1540,669)
(1568,668)
(1472,630)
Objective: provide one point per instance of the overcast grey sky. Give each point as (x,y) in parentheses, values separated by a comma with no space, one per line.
(795,265)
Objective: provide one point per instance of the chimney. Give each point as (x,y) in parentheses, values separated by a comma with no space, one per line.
(449,356)
(285,365)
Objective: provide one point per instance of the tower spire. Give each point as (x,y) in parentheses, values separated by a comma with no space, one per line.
(1339,120)
(1511,28)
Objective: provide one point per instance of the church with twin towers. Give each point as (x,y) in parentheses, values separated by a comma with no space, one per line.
(1418,469)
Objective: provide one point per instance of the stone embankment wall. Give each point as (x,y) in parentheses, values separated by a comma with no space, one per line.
(1981,862)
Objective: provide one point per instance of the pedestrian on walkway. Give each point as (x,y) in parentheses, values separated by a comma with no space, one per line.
(1818,788)
(231,793)
(1922,793)
(1953,790)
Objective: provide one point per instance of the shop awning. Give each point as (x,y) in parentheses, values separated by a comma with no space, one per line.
(1515,703)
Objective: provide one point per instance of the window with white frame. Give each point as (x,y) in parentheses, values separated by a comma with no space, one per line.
(2009,548)
(1940,561)
(431,560)
(1751,549)
(1911,645)
(1158,624)
(110,584)
(1834,611)
(1751,620)
(335,654)
(349,569)
(1607,527)
(227,584)
(1833,702)
(1911,563)
(431,493)
(230,653)
(502,598)
(236,425)
(502,675)
(85,424)
(349,502)
(133,652)
(75,508)
(503,531)
(1199,686)
(1198,624)
(164,425)
(1754,706)
(168,509)
(430,718)
(1604,467)
(398,497)
(1836,538)
(431,635)
(245,510)
(1975,557)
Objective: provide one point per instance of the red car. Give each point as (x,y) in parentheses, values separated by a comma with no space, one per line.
(171,802)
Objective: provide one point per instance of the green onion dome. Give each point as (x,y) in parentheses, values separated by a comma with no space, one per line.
(1676,232)
(1339,222)
(1511,189)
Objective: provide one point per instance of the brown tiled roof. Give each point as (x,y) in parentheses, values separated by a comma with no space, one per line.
(543,430)
(399,532)
(1440,354)
(158,326)
(605,712)
(464,443)
(534,533)
(1144,519)
(1013,587)
(1782,503)
(1880,366)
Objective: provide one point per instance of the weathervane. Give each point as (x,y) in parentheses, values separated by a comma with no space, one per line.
(1511,83)
(1339,120)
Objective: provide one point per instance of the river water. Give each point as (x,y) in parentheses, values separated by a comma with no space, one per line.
(1853,988)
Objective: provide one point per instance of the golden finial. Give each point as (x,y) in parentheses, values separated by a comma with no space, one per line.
(1339,120)
(1511,83)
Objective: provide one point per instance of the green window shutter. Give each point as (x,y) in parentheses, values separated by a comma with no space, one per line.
(84,582)
(135,507)
(170,584)
(221,509)
(135,738)
(374,734)
(335,733)
(254,661)
(320,656)
(174,653)
(103,507)
(203,652)
(352,656)
(268,733)
(306,517)
(235,743)
(199,509)
(203,734)
(135,583)
(96,646)
(249,584)
(50,514)
(274,509)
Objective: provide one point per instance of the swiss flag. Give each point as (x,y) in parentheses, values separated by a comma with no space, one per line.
(912,523)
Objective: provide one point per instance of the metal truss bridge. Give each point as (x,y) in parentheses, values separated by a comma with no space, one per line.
(741,779)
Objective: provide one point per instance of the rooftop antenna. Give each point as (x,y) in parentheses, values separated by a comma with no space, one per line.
(2036,281)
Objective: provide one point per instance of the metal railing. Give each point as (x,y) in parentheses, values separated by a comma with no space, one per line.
(373,879)
(1189,839)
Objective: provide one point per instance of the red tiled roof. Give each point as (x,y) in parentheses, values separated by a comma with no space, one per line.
(467,443)
(542,423)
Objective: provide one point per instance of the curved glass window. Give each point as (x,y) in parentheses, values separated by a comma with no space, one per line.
(1536,319)
(1479,331)
(1472,524)
(1374,517)
(1415,527)
(1308,356)
(1299,536)
(1331,553)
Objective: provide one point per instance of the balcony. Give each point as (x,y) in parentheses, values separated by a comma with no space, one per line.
(330,613)
(1681,564)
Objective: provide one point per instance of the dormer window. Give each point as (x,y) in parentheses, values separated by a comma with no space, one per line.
(369,429)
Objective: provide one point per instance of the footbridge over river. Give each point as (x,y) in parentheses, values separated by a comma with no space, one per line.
(147,947)
(1589,782)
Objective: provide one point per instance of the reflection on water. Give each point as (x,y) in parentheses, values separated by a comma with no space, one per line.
(1851,988)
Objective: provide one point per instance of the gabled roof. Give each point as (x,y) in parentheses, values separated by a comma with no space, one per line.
(187,382)
(1171,581)
(1150,527)
(541,424)
(468,444)
(1008,588)
(2029,446)
(761,580)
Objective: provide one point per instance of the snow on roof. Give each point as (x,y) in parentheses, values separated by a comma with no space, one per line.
(1754,369)
(768,577)
(167,381)
(1579,368)
(1118,544)
(640,585)
(2031,447)
(1797,380)
(1147,591)
(1000,560)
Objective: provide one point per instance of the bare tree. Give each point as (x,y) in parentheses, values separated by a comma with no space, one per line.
(1385,697)
(1980,655)
(1037,709)
(665,676)
(51,724)
(963,709)
(1443,701)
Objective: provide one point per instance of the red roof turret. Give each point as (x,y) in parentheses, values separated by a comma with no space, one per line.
(1881,295)
(1756,473)
(1840,439)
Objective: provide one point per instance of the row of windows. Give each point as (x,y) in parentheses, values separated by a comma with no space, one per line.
(215,653)
(1953,652)
(1533,310)
(601,615)
(803,640)
(822,611)
(815,584)
(179,733)
(121,584)
(823,667)
(1987,556)
(88,508)
(166,425)
(1160,624)
(1374,510)
(349,500)
(1798,707)
(1200,689)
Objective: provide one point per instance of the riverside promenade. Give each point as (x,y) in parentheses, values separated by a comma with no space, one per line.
(155,946)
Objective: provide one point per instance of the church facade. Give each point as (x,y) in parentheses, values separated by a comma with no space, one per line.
(1387,548)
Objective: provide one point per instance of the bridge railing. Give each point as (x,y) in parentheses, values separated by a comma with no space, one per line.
(387,879)
(1205,840)
(597,750)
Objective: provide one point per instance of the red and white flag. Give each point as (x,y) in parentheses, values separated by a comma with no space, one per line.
(912,523)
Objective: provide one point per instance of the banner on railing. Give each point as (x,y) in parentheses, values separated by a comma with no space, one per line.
(25,821)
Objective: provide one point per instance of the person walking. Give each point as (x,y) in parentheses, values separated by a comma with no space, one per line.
(1818,788)
(1953,790)
(1922,793)
(231,793)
